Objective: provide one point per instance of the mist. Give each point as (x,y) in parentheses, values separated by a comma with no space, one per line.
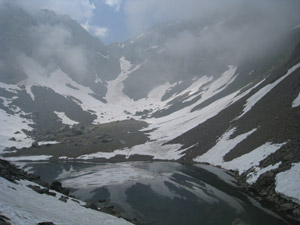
(232,29)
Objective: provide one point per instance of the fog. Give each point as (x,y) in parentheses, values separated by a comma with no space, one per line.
(232,28)
(225,31)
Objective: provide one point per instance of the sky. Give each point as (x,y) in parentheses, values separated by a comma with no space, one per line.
(119,20)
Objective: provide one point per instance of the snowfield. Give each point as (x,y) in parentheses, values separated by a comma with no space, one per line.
(288,183)
(24,206)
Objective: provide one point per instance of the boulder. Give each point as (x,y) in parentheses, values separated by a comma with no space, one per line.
(106,140)
(13,139)
(57,186)
(91,205)
(35,145)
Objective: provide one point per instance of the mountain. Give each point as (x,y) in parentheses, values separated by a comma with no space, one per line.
(189,91)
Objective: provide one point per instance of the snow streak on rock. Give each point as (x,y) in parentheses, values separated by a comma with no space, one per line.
(265,90)
(215,155)
(296,102)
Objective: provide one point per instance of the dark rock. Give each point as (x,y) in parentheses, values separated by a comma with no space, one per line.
(13,139)
(40,190)
(46,223)
(91,206)
(64,128)
(296,212)
(238,221)
(3,218)
(57,186)
(76,131)
(17,132)
(106,140)
(35,145)
(63,198)
(74,200)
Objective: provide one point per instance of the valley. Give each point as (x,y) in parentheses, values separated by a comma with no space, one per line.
(178,95)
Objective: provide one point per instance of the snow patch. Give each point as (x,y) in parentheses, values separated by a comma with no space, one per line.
(151,47)
(215,155)
(155,149)
(224,145)
(288,183)
(252,159)
(104,56)
(30,158)
(253,176)
(13,126)
(64,119)
(10,87)
(138,37)
(48,142)
(296,102)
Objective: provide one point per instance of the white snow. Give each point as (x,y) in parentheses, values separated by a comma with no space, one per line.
(252,159)
(215,155)
(138,37)
(30,158)
(155,149)
(224,145)
(98,79)
(127,174)
(10,87)
(296,102)
(165,128)
(25,206)
(264,91)
(10,125)
(288,183)
(104,56)
(253,176)
(48,142)
(64,119)
(151,47)
(115,88)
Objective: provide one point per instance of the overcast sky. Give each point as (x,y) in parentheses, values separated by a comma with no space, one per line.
(118,20)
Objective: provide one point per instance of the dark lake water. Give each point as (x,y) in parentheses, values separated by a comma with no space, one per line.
(160,193)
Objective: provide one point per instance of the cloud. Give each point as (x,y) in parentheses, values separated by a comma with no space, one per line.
(80,10)
(230,29)
(116,4)
(53,48)
(100,32)
(144,13)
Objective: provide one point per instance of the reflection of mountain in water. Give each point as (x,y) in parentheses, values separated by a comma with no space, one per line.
(160,192)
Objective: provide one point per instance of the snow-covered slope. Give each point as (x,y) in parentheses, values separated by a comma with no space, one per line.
(24,206)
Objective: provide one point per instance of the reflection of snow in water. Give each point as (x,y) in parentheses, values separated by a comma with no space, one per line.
(165,179)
